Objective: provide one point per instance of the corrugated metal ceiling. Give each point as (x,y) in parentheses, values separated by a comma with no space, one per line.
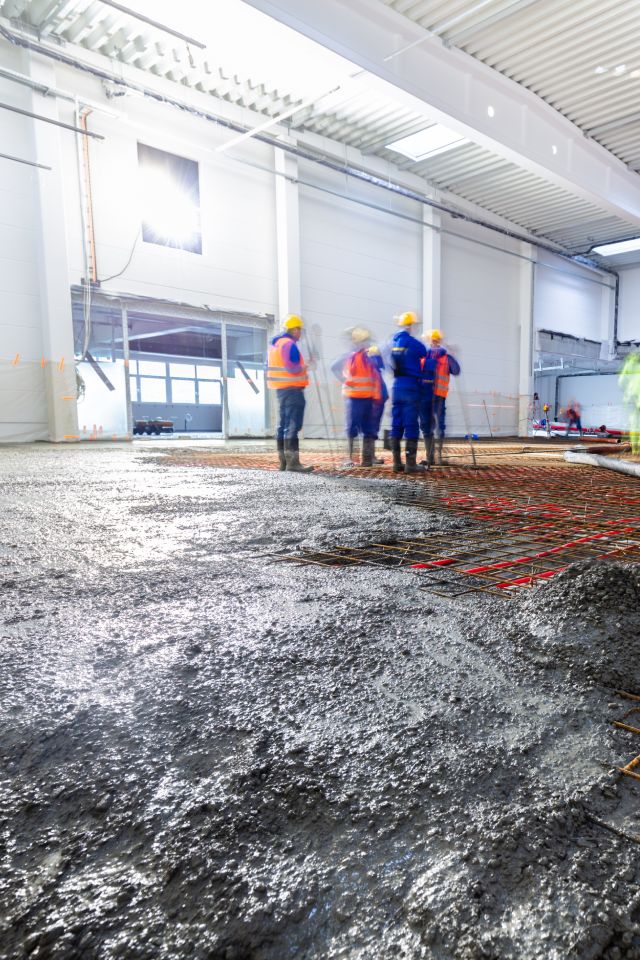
(522,38)
(583,57)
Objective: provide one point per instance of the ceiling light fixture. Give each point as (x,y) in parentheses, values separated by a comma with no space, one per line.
(601,70)
(620,69)
(427,143)
(554,149)
(491,111)
(621,246)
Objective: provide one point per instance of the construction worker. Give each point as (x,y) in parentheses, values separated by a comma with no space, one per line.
(287,375)
(546,409)
(360,380)
(573,418)
(629,381)
(407,354)
(446,366)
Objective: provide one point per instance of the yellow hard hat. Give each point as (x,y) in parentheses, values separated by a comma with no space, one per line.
(433,335)
(293,322)
(406,319)
(360,334)
(374,350)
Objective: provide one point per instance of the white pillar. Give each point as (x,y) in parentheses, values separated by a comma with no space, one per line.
(287,234)
(525,323)
(431,268)
(607,322)
(55,294)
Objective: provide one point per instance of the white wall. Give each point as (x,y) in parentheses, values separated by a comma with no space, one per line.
(358,266)
(629,304)
(599,397)
(566,300)
(237,267)
(23,413)
(480,320)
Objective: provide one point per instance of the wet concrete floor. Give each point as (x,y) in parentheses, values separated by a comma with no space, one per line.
(208,754)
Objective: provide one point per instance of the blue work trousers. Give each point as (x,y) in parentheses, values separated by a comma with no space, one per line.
(426,411)
(405,408)
(291,410)
(439,414)
(377,412)
(359,421)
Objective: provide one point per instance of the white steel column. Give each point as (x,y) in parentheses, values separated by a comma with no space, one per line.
(608,323)
(287,234)
(431,269)
(55,294)
(525,318)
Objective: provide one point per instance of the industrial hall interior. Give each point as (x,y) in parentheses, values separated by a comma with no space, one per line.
(320,480)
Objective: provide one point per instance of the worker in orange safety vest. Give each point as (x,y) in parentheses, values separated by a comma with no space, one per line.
(361,388)
(443,366)
(287,375)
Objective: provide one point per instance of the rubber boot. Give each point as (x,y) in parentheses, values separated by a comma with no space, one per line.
(292,454)
(368,447)
(281,456)
(376,460)
(398,465)
(428,452)
(411,452)
(440,443)
(431,450)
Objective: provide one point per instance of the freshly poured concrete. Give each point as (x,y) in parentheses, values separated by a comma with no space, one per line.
(207,754)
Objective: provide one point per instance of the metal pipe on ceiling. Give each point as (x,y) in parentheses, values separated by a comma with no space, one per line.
(56,123)
(154,23)
(29,163)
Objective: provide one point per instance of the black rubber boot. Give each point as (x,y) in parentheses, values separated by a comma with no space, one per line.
(440,443)
(431,450)
(353,450)
(368,447)
(411,452)
(281,456)
(428,452)
(292,454)
(398,465)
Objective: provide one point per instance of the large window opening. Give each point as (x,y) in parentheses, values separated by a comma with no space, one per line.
(169,191)
(149,369)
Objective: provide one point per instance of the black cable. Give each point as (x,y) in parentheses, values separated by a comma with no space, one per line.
(113,276)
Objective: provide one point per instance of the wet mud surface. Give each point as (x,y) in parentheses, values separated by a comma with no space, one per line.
(208,754)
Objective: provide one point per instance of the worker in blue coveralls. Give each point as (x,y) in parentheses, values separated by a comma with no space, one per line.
(407,354)
(444,366)
(358,373)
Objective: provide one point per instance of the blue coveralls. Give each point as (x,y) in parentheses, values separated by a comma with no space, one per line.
(358,411)
(406,358)
(291,402)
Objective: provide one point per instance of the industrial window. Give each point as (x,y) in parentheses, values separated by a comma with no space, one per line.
(170,199)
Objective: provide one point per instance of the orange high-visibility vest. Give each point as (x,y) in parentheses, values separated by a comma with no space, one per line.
(282,373)
(360,379)
(442,377)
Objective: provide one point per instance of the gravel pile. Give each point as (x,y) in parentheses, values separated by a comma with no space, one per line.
(588,617)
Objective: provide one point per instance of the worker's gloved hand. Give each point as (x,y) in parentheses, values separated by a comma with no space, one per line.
(373,351)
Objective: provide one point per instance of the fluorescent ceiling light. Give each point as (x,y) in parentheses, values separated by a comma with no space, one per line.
(623,246)
(427,143)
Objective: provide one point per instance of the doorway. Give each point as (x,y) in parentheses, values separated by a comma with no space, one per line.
(189,371)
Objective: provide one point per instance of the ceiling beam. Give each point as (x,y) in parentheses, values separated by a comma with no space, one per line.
(466,95)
